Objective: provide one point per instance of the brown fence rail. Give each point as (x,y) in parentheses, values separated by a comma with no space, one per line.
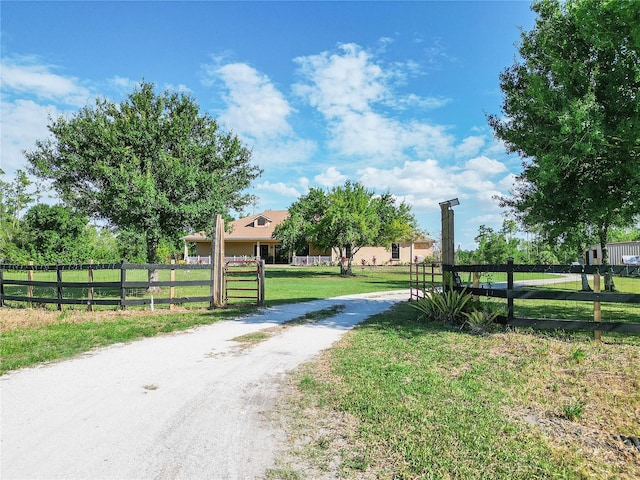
(123,290)
(422,277)
(511,294)
(244,281)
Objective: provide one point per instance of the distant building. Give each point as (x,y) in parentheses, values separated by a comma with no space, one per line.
(617,250)
(252,237)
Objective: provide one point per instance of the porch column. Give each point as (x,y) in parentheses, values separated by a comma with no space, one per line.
(186,252)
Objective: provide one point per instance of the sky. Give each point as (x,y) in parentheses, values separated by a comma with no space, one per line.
(393,95)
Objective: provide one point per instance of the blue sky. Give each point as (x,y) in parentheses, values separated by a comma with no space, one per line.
(390,94)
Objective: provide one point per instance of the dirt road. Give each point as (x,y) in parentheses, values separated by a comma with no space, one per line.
(186,405)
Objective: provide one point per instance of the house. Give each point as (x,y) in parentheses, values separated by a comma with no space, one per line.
(252,237)
(618,253)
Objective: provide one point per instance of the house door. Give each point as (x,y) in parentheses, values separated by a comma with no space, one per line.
(264,251)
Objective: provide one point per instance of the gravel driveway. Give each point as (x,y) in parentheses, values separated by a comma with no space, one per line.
(185,405)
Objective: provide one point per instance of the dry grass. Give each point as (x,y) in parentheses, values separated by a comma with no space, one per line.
(548,406)
(13,318)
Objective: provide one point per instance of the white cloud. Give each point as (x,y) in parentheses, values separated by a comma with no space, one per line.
(278,188)
(22,123)
(341,82)
(486,165)
(304,183)
(507,183)
(273,152)
(414,101)
(41,82)
(123,83)
(330,177)
(352,92)
(470,146)
(255,107)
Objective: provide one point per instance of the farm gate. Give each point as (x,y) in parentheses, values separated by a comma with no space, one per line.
(244,281)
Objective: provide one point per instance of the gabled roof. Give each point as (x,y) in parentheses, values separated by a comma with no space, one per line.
(253,227)
(256,227)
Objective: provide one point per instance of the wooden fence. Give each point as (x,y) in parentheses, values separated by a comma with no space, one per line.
(597,297)
(121,289)
(423,276)
(244,280)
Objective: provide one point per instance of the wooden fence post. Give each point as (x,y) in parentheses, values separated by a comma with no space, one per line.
(476,280)
(217,263)
(123,290)
(172,289)
(597,312)
(30,287)
(90,290)
(261,283)
(1,286)
(509,289)
(59,284)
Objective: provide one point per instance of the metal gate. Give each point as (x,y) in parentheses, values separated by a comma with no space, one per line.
(244,281)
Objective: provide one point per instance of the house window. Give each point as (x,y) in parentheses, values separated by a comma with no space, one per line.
(595,254)
(395,251)
(262,221)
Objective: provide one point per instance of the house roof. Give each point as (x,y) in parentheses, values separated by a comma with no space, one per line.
(254,227)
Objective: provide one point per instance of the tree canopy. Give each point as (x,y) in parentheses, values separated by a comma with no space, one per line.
(345,219)
(55,232)
(571,110)
(152,165)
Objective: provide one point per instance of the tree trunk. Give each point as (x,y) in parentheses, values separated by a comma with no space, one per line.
(609,285)
(152,257)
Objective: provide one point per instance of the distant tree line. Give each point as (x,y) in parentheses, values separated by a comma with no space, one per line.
(34,231)
(496,246)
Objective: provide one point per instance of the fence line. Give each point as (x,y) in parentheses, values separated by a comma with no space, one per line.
(597,297)
(121,286)
(418,274)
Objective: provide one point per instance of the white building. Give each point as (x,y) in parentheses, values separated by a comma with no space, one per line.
(616,250)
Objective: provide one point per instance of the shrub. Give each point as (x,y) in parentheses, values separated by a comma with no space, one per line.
(444,305)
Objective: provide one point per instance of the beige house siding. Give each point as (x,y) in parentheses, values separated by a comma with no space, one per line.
(255,233)
(407,253)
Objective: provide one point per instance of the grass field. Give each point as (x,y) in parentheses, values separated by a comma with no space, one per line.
(403,399)
(400,398)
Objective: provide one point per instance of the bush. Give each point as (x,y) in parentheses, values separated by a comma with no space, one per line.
(447,306)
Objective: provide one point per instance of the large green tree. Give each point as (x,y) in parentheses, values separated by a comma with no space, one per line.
(15,197)
(152,165)
(56,233)
(571,110)
(346,219)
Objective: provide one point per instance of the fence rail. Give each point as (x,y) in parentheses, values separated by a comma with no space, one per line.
(421,277)
(510,293)
(306,260)
(121,290)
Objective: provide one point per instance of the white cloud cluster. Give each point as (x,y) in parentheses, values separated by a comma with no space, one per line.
(330,178)
(254,106)
(39,81)
(31,94)
(352,91)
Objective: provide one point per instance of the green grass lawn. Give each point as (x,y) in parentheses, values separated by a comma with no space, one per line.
(399,398)
(31,336)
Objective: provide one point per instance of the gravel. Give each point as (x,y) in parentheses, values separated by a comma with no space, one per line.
(185,405)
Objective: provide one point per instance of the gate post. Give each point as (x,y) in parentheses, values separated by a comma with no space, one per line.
(217,263)
(448,242)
